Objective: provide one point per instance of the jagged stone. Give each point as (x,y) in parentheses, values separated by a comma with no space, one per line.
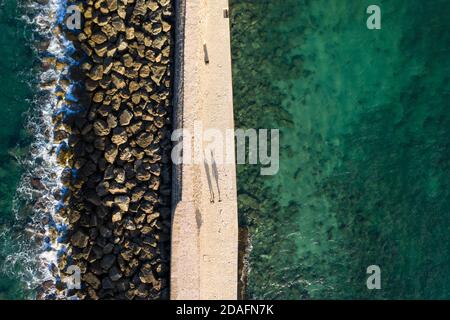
(119,136)
(144,72)
(79,239)
(114,273)
(112,5)
(92,280)
(107,261)
(99,38)
(158,73)
(144,139)
(96,72)
(101,128)
(116,217)
(112,121)
(122,202)
(111,153)
(119,175)
(125,117)
(118,24)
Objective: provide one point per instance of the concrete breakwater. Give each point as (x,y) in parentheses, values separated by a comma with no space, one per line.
(114,142)
(204,250)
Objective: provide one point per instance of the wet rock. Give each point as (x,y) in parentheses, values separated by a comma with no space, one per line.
(37,184)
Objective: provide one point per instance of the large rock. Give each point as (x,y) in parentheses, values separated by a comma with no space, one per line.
(115,274)
(79,239)
(96,72)
(92,280)
(122,202)
(125,117)
(119,174)
(144,139)
(118,24)
(99,38)
(116,217)
(146,274)
(111,153)
(119,136)
(112,5)
(101,128)
(107,261)
(158,73)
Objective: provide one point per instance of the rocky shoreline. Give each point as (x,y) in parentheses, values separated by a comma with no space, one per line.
(114,142)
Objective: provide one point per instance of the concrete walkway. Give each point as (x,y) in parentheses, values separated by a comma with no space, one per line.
(204,261)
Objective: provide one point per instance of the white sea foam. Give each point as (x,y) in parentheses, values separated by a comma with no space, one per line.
(33,253)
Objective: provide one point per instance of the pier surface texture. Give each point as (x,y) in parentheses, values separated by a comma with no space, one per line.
(204,262)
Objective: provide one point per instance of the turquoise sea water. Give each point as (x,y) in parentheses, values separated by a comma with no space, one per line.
(364,172)
(16,73)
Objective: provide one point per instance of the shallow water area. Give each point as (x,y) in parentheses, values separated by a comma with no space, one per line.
(364,149)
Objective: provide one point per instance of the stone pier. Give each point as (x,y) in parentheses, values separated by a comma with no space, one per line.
(204,254)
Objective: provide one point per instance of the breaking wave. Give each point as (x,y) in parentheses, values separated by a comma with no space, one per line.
(38,233)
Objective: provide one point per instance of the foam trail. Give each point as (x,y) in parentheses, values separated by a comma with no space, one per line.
(40,248)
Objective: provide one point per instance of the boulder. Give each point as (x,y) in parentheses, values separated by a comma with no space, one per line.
(114,273)
(119,174)
(122,202)
(99,38)
(112,5)
(134,86)
(112,121)
(92,280)
(125,117)
(107,261)
(79,239)
(118,24)
(96,73)
(144,139)
(158,73)
(116,217)
(119,136)
(146,274)
(111,153)
(144,72)
(101,128)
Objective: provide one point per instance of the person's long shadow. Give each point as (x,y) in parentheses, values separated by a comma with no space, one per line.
(215,173)
(208,176)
